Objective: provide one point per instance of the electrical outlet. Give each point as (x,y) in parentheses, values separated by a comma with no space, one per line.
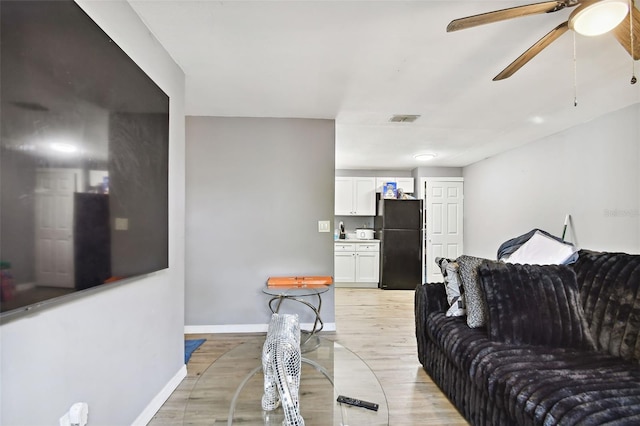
(324,225)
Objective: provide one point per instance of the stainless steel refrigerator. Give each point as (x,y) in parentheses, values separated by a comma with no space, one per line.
(398,225)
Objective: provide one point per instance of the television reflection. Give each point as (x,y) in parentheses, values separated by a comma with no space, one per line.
(83,157)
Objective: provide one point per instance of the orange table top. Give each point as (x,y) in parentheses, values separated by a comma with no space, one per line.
(300,282)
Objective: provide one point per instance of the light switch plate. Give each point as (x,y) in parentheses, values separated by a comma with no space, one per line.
(323,225)
(121,224)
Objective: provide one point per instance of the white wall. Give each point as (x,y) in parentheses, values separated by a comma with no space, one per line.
(256,189)
(589,171)
(427,171)
(119,348)
(374,173)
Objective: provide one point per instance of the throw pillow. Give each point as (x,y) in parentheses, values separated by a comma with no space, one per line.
(453,288)
(535,305)
(541,249)
(473,297)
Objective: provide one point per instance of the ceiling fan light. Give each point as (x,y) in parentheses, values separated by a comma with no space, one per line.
(598,18)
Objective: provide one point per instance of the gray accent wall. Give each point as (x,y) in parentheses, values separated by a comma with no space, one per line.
(256,189)
(119,348)
(590,172)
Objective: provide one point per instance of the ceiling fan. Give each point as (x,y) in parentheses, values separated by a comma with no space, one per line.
(591,17)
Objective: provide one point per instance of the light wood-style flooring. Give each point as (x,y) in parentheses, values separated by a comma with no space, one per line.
(378,325)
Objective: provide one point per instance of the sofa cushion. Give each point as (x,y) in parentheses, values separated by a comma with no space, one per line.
(559,386)
(610,293)
(535,305)
(460,342)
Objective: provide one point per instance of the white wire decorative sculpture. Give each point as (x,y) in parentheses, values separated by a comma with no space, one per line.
(281,364)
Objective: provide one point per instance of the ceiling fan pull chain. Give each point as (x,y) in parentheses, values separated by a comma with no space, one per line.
(575,73)
(633,62)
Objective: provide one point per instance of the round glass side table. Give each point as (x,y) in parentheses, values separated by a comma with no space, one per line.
(309,341)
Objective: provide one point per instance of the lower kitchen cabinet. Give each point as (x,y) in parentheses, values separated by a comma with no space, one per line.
(357,264)
(367,267)
(344,265)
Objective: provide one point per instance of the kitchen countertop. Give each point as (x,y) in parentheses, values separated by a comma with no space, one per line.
(356,241)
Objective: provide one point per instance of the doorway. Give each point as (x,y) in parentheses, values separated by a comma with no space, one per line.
(54,249)
(443,200)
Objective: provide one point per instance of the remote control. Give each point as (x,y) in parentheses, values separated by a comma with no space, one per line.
(358,403)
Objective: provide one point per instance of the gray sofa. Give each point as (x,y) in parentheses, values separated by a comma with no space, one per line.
(561,345)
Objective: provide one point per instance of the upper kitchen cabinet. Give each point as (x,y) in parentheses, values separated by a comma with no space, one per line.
(404,183)
(355,196)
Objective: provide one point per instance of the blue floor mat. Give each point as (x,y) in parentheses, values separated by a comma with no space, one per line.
(190,346)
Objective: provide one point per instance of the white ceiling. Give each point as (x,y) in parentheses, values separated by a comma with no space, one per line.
(360,62)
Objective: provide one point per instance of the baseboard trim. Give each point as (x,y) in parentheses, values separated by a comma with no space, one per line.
(355,285)
(245,328)
(147,414)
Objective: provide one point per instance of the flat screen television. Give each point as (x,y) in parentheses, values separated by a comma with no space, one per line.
(83,159)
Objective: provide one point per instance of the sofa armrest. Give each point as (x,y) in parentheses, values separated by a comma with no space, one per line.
(430,297)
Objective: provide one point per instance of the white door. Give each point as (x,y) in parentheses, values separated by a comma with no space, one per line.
(54,227)
(443,216)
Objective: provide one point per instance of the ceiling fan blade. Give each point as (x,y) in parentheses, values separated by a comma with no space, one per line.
(622,33)
(504,14)
(530,53)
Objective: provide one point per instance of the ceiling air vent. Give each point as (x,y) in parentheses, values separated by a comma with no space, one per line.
(404,118)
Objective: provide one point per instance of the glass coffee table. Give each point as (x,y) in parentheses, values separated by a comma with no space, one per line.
(230,390)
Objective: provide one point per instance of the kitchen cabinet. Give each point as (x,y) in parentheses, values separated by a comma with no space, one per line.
(355,196)
(406,183)
(368,262)
(357,264)
(345,267)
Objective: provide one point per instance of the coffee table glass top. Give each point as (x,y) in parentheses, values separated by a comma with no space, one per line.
(295,291)
(230,390)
